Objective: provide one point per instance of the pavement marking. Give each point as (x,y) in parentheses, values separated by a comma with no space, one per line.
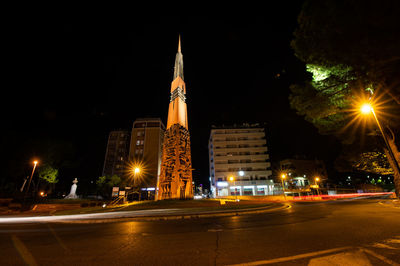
(295,257)
(214,230)
(388,205)
(57,238)
(382,258)
(380,245)
(353,258)
(345,258)
(27,257)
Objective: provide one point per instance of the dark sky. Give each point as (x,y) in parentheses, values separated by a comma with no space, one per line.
(74,80)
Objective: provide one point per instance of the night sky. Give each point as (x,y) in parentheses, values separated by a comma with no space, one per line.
(74,80)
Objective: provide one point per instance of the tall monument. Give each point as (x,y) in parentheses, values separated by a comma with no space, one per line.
(175,181)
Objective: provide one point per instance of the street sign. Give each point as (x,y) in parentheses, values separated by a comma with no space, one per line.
(115,191)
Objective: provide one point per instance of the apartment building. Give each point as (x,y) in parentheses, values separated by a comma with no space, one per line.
(239,161)
(146,150)
(116,153)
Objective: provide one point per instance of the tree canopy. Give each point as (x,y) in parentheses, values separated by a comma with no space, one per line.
(351,50)
(348,47)
(48,173)
(106,183)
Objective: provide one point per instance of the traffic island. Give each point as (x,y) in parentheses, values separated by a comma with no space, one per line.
(162,210)
(169,214)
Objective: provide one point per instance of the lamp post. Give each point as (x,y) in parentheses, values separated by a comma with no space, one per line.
(366,109)
(136,171)
(30,179)
(316,184)
(232,179)
(283,176)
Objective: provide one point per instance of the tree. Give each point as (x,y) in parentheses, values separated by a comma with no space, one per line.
(350,49)
(106,183)
(48,174)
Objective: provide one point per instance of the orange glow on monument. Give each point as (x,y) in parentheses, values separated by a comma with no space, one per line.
(175,180)
(177,111)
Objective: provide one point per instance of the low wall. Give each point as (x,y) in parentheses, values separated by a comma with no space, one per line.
(5,202)
(55,207)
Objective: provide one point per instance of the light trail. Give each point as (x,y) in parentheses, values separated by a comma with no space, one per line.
(105,215)
(341,196)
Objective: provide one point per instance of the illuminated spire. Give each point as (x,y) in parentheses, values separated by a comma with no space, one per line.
(179,44)
(178,69)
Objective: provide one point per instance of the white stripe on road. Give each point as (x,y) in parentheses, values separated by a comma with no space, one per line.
(23,251)
(380,245)
(388,261)
(214,230)
(395,241)
(295,257)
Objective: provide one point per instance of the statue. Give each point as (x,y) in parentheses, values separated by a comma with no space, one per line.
(72,194)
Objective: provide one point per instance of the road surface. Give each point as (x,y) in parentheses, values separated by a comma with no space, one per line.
(353,232)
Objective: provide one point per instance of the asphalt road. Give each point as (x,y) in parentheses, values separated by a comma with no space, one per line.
(353,232)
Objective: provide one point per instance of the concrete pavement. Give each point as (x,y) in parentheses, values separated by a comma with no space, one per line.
(355,232)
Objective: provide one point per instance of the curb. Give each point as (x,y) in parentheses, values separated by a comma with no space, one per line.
(180,216)
(394,204)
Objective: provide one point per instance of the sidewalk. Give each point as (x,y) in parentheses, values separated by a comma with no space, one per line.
(392,202)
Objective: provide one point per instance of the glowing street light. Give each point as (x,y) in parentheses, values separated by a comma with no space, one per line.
(366,109)
(30,179)
(283,176)
(232,179)
(316,184)
(136,170)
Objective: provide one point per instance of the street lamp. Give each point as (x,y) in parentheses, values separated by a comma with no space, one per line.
(316,184)
(30,179)
(232,179)
(136,170)
(366,109)
(283,176)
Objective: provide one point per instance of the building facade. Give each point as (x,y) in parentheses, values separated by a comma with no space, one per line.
(176,165)
(239,161)
(145,152)
(116,153)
